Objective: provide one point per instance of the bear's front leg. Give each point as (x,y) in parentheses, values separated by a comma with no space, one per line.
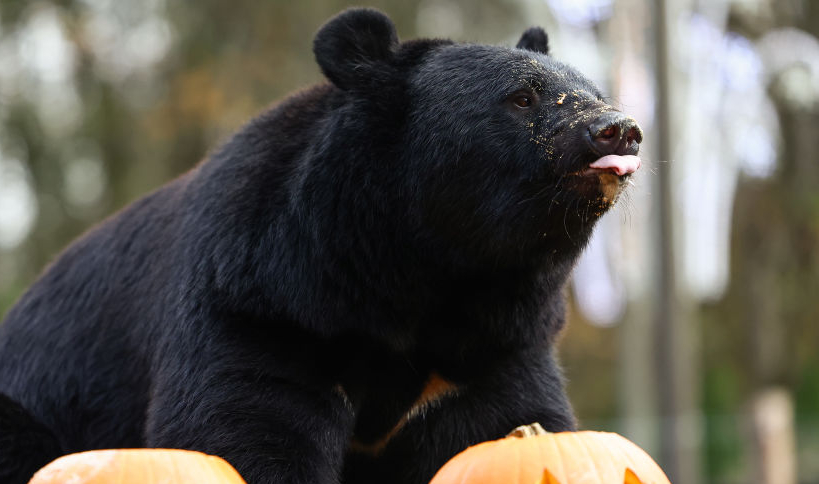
(272,427)
(522,389)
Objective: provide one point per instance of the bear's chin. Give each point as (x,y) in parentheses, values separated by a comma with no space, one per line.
(601,187)
(604,179)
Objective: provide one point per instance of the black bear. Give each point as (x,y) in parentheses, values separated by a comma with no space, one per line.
(360,283)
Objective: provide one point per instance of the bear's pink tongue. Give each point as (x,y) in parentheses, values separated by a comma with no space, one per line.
(621,165)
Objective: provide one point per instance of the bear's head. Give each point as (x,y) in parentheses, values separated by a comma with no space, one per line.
(492,154)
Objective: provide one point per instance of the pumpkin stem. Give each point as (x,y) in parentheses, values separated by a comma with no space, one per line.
(528,431)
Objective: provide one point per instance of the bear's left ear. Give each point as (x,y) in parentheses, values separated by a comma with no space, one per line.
(350,44)
(534,39)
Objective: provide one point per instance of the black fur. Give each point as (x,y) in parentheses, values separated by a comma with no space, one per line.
(284,304)
(356,48)
(534,39)
(25,443)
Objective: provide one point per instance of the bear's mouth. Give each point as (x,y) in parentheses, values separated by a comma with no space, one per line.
(620,165)
(604,178)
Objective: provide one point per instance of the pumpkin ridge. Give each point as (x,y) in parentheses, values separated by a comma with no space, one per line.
(563,466)
(121,473)
(581,443)
(631,453)
(517,465)
(628,456)
(610,458)
(544,458)
(472,464)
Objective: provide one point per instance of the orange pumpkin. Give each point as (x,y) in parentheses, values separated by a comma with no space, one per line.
(138,466)
(531,455)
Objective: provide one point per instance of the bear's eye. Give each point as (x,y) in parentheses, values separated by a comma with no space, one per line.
(522,101)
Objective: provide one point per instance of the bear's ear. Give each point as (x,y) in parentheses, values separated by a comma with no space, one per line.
(534,39)
(350,44)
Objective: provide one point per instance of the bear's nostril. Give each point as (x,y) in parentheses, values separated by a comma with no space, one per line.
(633,135)
(608,133)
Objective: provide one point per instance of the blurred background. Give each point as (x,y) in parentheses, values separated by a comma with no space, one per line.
(694,320)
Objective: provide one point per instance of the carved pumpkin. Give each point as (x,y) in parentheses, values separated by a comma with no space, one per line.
(138,466)
(530,455)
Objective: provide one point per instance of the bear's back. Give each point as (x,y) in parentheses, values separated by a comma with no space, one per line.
(73,349)
(77,348)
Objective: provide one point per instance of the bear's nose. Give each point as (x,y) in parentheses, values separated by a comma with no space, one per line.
(615,134)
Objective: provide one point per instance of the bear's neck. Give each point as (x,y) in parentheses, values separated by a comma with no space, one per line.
(353,272)
(337,268)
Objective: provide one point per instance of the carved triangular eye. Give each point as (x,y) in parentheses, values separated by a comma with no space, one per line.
(631,478)
(548,478)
